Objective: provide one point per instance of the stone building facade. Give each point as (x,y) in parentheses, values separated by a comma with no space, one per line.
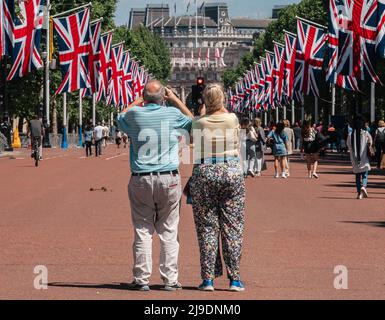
(211,33)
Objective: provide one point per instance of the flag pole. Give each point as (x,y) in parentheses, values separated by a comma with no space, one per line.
(312,23)
(94,109)
(333,99)
(292,112)
(47,143)
(196,23)
(80,119)
(372,102)
(72,10)
(316,107)
(64,144)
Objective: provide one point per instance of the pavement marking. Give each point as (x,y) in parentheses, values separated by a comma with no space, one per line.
(114,157)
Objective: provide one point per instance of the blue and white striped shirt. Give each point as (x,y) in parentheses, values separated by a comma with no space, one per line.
(154,131)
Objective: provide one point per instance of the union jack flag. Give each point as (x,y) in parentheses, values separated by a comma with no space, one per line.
(289,65)
(134,74)
(357,37)
(26,36)
(104,70)
(269,79)
(231,100)
(2,30)
(279,71)
(74,47)
(337,9)
(114,87)
(127,94)
(380,41)
(94,57)
(7,12)
(311,46)
(262,82)
(255,86)
(140,81)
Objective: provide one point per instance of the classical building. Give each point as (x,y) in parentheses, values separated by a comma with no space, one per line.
(201,45)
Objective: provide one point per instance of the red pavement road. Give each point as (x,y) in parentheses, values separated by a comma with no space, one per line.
(297,231)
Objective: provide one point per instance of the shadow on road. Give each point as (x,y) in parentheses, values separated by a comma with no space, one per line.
(112,286)
(378,224)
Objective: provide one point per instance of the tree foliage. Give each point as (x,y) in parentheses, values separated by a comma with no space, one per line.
(25,95)
(314,10)
(148,48)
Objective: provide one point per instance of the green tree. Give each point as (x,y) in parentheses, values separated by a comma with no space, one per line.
(314,10)
(148,48)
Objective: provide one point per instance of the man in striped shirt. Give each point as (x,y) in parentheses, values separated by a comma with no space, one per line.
(155,185)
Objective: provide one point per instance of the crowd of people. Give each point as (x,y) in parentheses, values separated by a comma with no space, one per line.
(96,137)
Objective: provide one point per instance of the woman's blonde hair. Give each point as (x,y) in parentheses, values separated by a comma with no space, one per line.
(286,123)
(214,97)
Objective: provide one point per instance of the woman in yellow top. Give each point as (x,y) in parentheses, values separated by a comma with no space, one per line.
(218,190)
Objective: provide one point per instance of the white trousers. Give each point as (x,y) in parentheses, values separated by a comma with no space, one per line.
(155,207)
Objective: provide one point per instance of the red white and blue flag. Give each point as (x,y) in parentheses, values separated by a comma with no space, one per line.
(104,67)
(26,35)
(262,82)
(94,57)
(380,41)
(289,65)
(7,13)
(269,79)
(337,9)
(115,87)
(279,72)
(73,34)
(127,93)
(357,38)
(311,46)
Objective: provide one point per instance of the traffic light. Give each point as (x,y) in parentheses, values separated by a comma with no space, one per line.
(200,81)
(197,90)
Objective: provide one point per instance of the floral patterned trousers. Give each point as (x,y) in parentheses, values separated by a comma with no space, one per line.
(218,195)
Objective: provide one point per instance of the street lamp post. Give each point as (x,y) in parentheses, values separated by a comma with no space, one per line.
(46,56)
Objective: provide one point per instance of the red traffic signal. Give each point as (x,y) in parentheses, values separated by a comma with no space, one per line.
(200,81)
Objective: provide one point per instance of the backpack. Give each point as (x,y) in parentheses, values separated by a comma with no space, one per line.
(380,136)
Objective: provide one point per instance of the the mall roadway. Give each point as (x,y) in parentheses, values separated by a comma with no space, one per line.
(297,231)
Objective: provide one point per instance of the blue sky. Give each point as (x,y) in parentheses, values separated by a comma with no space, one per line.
(238,8)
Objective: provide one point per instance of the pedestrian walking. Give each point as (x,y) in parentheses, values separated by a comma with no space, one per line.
(260,146)
(155,186)
(311,149)
(106,132)
(98,139)
(88,137)
(359,143)
(279,141)
(218,191)
(298,136)
(125,140)
(379,142)
(118,139)
(290,144)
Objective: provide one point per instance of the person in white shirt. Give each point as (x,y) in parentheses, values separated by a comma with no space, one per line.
(98,137)
(379,141)
(359,141)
